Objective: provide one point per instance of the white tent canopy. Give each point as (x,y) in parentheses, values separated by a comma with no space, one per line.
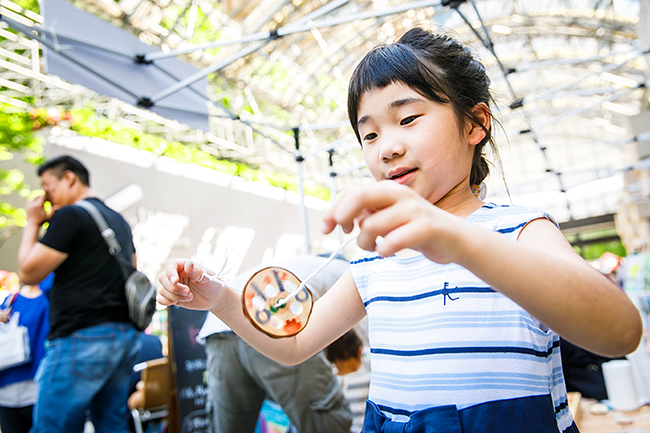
(568,75)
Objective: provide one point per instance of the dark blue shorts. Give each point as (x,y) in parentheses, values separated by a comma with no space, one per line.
(528,415)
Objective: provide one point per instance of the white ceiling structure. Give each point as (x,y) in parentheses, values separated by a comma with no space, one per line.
(567,75)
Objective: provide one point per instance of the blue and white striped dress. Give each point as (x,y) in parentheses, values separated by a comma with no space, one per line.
(441,338)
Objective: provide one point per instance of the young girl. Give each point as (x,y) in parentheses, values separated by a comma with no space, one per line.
(465,299)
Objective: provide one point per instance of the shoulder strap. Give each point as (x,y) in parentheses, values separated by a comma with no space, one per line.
(107,234)
(12,298)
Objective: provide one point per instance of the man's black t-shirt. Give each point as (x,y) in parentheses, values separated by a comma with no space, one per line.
(88,286)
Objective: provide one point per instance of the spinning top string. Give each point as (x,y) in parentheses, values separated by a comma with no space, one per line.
(215,279)
(302,285)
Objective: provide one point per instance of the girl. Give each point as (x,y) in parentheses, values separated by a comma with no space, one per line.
(465,299)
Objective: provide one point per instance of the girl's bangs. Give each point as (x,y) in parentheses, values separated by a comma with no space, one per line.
(383,66)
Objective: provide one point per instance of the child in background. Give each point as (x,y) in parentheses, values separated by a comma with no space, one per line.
(346,354)
(17,386)
(466,300)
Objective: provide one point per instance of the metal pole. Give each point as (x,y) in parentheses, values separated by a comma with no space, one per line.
(301,190)
(302,25)
(333,191)
(290,29)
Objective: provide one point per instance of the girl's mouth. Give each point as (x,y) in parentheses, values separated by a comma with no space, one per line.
(401,175)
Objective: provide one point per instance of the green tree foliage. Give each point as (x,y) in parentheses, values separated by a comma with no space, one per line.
(86,122)
(594,251)
(16,139)
(31,5)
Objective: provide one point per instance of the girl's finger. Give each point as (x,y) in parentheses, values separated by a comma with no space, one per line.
(175,296)
(173,270)
(193,271)
(171,281)
(370,198)
(379,224)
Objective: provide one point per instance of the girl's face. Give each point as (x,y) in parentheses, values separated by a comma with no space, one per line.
(415,141)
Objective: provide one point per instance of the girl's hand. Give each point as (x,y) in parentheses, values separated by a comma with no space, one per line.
(402,217)
(183,284)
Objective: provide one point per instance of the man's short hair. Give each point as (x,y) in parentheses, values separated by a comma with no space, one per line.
(61,164)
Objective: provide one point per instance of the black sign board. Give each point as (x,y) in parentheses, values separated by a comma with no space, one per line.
(189,367)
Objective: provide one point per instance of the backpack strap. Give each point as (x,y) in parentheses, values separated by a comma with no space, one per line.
(107,234)
(11,298)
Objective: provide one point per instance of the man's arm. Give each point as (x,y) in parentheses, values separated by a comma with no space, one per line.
(35,260)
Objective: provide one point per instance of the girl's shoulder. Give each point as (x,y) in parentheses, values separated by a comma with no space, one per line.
(507,219)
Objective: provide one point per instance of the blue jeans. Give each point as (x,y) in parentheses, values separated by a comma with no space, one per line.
(88,370)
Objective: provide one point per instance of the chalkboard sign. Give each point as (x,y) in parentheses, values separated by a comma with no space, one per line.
(189,367)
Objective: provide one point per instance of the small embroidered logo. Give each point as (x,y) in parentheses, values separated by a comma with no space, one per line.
(446,293)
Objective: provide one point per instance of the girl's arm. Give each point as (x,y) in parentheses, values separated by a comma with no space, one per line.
(332,315)
(543,274)
(540,271)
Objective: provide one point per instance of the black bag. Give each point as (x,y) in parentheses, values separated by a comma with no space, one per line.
(140,293)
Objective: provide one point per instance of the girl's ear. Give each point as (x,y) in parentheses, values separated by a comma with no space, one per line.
(477,133)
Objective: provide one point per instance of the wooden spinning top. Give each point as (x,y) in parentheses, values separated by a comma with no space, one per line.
(260,302)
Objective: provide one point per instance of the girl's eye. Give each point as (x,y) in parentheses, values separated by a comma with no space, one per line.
(370,136)
(407,120)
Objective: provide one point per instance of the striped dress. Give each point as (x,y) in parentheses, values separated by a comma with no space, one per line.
(450,354)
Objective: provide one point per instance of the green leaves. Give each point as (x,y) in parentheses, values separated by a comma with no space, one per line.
(16,138)
(86,122)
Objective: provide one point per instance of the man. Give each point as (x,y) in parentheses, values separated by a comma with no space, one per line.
(91,344)
(240,378)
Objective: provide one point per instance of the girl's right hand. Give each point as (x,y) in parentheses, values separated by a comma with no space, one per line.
(402,217)
(184,284)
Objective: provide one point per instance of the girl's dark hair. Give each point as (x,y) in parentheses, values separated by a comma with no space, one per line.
(436,66)
(61,164)
(347,346)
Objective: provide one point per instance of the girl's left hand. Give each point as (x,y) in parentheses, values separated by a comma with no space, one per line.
(402,217)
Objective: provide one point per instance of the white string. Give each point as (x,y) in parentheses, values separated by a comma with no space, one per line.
(215,279)
(283,301)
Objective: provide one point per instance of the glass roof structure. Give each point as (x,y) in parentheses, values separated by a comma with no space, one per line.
(568,75)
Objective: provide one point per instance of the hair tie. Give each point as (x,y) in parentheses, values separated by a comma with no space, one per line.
(480,191)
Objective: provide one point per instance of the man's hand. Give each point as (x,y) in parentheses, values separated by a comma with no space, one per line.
(36,213)
(4,315)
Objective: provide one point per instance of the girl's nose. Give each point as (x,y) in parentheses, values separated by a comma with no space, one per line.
(391,147)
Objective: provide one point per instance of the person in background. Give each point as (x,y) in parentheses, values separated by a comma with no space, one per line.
(46,285)
(92,344)
(17,387)
(150,348)
(583,370)
(466,300)
(347,356)
(240,378)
